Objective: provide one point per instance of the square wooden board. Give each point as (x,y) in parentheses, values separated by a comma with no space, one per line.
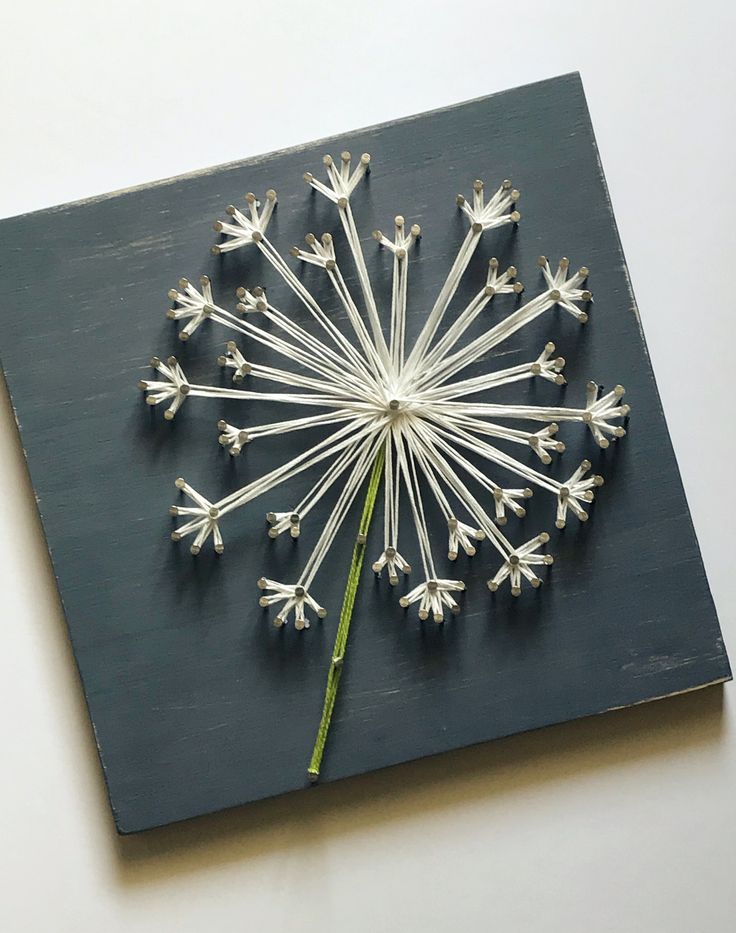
(197,702)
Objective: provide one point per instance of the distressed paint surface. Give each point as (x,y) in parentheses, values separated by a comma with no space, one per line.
(197,702)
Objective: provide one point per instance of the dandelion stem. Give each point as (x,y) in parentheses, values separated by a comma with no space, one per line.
(346,615)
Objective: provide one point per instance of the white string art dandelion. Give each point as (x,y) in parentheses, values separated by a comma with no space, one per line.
(405,413)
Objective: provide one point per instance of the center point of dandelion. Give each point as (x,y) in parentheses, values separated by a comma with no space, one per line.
(397,407)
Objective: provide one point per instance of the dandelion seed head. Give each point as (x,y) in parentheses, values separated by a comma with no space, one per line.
(411,408)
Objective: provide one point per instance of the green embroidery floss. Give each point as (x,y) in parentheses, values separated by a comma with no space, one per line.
(346,615)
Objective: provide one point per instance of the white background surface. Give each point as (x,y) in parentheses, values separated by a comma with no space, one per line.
(619,823)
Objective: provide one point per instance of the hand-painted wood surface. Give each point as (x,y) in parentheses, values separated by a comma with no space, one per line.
(198,703)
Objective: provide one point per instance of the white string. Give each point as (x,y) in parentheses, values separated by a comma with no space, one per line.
(343,184)
(371,395)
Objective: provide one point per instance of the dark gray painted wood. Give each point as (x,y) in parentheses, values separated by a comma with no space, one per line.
(197,702)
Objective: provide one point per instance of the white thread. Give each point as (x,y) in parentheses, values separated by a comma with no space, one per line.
(371,395)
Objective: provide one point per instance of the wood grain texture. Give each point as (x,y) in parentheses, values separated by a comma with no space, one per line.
(197,702)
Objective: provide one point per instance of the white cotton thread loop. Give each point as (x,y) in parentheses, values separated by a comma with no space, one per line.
(362,466)
(318,357)
(307,349)
(461,535)
(284,521)
(518,566)
(482,217)
(600,411)
(427,447)
(203,519)
(232,438)
(578,489)
(190,305)
(245,228)
(178,388)
(294,599)
(433,597)
(400,247)
(540,442)
(563,293)
(174,390)
(508,500)
(495,285)
(544,367)
(499,211)
(323,255)
(366,397)
(393,562)
(307,299)
(234,359)
(342,185)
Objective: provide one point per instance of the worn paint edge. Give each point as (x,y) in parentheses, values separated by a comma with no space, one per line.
(300,147)
(123,830)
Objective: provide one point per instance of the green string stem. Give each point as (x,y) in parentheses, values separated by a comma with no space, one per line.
(346,615)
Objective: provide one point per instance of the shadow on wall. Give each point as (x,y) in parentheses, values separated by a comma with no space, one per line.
(416,790)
